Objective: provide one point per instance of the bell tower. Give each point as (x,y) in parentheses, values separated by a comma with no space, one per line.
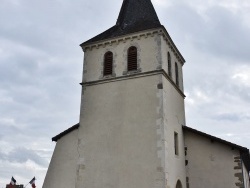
(132,109)
(131,118)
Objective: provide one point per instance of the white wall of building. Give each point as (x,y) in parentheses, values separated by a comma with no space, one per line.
(118,135)
(174,118)
(211,163)
(127,125)
(114,98)
(165,48)
(62,169)
(148,56)
(152,55)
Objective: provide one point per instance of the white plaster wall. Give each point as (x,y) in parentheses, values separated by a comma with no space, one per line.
(210,164)
(62,169)
(149,57)
(127,125)
(174,118)
(118,135)
(152,55)
(164,50)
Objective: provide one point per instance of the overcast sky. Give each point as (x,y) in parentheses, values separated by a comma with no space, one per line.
(41,68)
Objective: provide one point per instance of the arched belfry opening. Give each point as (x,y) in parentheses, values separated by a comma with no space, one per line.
(178,184)
(132,58)
(108,63)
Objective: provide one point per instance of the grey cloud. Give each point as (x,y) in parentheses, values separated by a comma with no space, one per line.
(7,129)
(22,174)
(227,34)
(52,29)
(18,70)
(241,91)
(219,31)
(30,104)
(22,155)
(228,117)
(227,104)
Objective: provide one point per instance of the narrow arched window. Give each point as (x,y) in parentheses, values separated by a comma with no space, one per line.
(176,143)
(169,66)
(108,64)
(176,75)
(132,58)
(178,184)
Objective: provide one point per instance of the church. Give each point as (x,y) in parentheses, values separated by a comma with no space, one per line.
(132,131)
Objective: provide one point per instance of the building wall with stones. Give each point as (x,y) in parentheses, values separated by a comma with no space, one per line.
(123,121)
(211,163)
(149,57)
(168,47)
(127,120)
(152,45)
(173,119)
(131,122)
(118,134)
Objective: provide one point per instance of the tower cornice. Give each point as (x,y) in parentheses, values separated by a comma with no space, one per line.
(136,36)
(132,76)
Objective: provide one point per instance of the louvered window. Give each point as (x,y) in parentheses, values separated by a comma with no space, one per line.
(132,58)
(108,64)
(176,74)
(169,66)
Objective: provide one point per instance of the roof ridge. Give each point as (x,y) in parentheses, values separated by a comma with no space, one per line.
(57,137)
(214,138)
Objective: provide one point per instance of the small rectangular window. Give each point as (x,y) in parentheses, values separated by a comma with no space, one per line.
(176,143)
(176,75)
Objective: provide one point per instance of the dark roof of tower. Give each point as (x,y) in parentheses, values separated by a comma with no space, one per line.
(135,15)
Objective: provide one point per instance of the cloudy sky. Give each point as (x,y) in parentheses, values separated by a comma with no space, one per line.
(41,68)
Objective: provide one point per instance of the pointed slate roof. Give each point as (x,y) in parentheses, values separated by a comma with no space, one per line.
(135,15)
